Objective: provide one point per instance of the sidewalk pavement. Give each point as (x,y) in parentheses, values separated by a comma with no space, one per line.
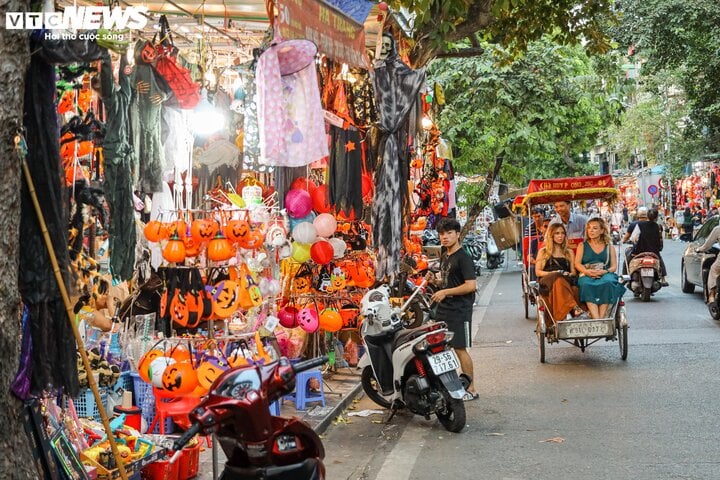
(341,387)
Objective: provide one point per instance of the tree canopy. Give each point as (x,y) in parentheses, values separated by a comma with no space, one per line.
(540,113)
(438,25)
(682,37)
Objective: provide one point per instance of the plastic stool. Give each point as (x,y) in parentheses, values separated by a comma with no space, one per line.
(275,408)
(302,394)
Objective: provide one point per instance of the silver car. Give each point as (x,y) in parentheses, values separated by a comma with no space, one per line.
(695,266)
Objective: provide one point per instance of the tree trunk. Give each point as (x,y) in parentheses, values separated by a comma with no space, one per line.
(17,461)
(477,208)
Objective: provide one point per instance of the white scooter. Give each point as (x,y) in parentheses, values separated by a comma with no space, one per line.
(414,368)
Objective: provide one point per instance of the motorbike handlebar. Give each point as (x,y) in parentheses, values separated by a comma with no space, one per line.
(308,364)
(184,439)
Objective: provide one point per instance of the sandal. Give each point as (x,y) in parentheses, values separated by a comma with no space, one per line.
(469,397)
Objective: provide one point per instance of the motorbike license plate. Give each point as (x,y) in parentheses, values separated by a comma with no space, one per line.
(444,362)
(647,272)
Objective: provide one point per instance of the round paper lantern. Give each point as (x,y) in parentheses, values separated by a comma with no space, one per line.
(303,183)
(320,202)
(325,224)
(308,319)
(322,252)
(300,252)
(339,246)
(298,203)
(307,218)
(288,316)
(157,368)
(330,320)
(305,232)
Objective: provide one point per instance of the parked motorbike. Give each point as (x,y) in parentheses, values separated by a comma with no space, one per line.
(258,445)
(474,247)
(414,368)
(494,257)
(645,275)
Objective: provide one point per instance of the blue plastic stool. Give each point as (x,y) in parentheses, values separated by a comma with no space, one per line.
(302,394)
(275,408)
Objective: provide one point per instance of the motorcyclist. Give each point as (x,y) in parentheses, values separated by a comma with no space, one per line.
(651,240)
(712,238)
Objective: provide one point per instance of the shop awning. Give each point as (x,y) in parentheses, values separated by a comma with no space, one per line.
(573,188)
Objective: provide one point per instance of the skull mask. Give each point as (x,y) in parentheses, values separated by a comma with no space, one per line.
(388,46)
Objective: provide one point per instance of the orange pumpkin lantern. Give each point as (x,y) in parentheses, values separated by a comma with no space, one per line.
(220,249)
(192,246)
(252,240)
(209,370)
(174,251)
(144,363)
(180,353)
(330,320)
(178,227)
(155,231)
(204,230)
(180,378)
(236,230)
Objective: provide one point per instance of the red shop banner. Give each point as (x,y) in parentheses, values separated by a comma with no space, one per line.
(335,34)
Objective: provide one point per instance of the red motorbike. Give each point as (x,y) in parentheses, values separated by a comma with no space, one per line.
(258,445)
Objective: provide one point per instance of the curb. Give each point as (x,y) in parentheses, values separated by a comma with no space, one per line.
(342,405)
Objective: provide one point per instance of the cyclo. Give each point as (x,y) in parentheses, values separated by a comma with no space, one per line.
(579,332)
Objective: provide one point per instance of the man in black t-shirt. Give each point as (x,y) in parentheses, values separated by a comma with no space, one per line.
(456,295)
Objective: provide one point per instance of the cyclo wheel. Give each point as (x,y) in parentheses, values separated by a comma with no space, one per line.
(526,296)
(541,336)
(621,334)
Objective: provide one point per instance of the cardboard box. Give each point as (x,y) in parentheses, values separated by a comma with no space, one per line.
(506,232)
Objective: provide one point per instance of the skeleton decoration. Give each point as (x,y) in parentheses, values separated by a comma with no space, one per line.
(396,89)
(388,46)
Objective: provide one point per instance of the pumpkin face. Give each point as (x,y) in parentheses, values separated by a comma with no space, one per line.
(209,370)
(192,246)
(148,53)
(301,284)
(206,229)
(308,319)
(144,363)
(180,378)
(337,282)
(178,310)
(235,230)
(225,298)
(178,227)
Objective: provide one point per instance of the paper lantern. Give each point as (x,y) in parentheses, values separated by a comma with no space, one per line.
(320,201)
(308,319)
(305,232)
(300,252)
(298,203)
(220,249)
(330,320)
(322,252)
(339,246)
(303,183)
(307,218)
(325,224)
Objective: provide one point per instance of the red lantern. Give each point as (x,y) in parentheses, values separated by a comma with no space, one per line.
(322,252)
(320,200)
(304,184)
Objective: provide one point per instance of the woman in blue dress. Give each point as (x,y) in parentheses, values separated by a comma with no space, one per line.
(596,263)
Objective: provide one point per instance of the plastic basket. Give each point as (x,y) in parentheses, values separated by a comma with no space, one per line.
(189,463)
(145,399)
(125,382)
(85,404)
(161,470)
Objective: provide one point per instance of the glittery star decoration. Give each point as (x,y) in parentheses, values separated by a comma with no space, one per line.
(350,146)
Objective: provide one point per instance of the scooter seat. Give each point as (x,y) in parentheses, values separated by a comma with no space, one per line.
(406,335)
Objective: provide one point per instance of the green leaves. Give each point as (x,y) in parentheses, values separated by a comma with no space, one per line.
(540,112)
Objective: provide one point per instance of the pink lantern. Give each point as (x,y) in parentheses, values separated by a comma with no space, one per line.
(308,319)
(298,203)
(325,224)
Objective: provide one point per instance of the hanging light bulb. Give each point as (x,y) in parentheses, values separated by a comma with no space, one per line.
(206,119)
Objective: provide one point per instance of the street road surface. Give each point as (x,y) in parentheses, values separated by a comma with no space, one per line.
(580,415)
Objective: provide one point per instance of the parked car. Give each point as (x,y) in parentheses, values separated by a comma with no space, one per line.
(694,266)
